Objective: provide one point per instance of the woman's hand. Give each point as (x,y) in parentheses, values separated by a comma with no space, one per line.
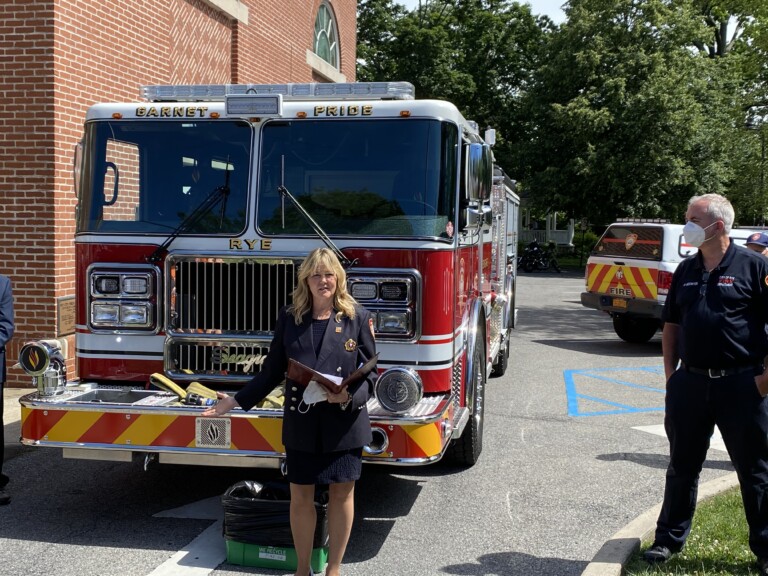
(224,405)
(761,381)
(340,398)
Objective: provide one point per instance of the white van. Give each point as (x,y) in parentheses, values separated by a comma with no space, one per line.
(629,273)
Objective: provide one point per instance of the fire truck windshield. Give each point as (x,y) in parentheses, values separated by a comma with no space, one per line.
(149,176)
(369,177)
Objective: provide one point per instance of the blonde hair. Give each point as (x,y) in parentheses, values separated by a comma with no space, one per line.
(343,302)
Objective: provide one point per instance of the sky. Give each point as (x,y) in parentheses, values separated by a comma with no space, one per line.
(549,7)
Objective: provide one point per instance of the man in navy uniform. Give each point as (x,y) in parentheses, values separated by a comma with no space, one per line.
(758,242)
(714,342)
(6,332)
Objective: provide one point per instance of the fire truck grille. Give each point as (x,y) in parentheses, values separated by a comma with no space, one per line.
(222,312)
(216,358)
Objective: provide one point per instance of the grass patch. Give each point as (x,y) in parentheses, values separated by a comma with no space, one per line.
(572,262)
(717,545)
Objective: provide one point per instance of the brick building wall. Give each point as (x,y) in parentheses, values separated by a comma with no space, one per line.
(61,56)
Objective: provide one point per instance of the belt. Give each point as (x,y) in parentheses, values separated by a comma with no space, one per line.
(721,372)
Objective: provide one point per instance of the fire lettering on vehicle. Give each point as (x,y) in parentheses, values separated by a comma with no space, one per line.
(250,244)
(351,110)
(620,291)
(171,111)
(606,278)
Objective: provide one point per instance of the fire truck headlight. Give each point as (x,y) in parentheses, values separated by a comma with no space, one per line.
(136,285)
(120,315)
(394,321)
(395,291)
(108,284)
(364,290)
(399,389)
(134,314)
(114,285)
(105,314)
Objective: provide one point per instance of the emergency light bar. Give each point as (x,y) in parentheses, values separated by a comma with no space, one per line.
(254,105)
(643,220)
(307,91)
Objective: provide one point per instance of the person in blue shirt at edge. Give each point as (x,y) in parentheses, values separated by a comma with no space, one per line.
(758,242)
(714,342)
(6,333)
(326,329)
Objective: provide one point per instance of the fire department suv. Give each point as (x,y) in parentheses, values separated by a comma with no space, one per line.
(629,273)
(195,207)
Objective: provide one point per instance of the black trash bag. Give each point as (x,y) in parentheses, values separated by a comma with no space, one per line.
(257,513)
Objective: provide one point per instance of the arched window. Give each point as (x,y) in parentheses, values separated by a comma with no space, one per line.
(326,36)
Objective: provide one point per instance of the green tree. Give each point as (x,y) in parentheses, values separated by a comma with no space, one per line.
(625,118)
(477,54)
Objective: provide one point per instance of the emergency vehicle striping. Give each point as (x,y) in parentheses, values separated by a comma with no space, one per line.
(409,441)
(72,426)
(257,434)
(417,441)
(617,280)
(636,242)
(427,438)
(157,430)
(617,395)
(106,428)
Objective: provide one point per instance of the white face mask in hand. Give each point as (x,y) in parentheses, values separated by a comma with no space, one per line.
(314,393)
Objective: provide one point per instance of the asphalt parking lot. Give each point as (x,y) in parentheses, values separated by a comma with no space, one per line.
(573,451)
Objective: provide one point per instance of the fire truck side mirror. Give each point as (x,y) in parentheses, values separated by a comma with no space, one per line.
(479,173)
(77,167)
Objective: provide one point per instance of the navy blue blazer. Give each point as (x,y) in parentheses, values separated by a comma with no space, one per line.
(322,427)
(6,320)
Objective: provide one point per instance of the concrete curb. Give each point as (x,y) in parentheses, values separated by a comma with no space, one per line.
(610,559)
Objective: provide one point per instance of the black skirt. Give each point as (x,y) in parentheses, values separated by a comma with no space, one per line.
(323,467)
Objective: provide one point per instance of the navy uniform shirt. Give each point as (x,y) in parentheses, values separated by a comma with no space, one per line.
(722,315)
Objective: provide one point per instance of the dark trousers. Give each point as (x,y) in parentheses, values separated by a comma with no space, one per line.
(694,404)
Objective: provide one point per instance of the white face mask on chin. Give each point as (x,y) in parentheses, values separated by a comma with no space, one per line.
(694,234)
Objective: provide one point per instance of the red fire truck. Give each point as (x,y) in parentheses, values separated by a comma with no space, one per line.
(195,207)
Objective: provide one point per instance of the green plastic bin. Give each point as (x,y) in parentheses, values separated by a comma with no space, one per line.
(272,556)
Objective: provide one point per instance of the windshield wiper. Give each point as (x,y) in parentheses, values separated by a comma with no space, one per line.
(346,262)
(219,194)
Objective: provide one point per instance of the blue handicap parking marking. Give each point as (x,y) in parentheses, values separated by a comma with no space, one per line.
(605,391)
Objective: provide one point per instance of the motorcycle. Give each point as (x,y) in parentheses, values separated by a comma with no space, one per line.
(538,257)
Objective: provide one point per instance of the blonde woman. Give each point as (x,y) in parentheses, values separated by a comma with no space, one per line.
(324,328)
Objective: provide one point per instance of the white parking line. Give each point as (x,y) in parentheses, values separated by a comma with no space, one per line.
(201,556)
(716,442)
